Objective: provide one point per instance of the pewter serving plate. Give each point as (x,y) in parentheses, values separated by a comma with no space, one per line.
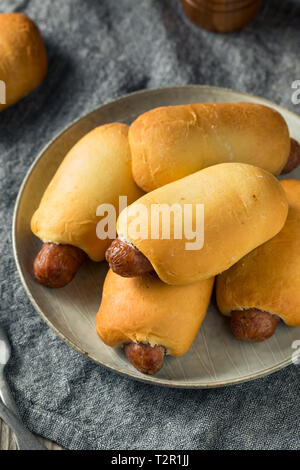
(216,357)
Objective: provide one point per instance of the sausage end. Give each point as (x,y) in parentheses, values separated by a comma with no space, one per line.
(294,158)
(144,357)
(56,265)
(253,324)
(126,260)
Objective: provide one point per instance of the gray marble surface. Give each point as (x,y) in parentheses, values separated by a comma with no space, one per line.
(99,50)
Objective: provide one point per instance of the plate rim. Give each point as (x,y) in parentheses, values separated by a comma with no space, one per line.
(131,374)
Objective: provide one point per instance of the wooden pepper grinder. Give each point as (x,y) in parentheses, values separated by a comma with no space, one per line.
(222,16)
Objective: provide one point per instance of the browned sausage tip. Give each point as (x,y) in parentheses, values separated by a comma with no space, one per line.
(253,324)
(126,260)
(145,358)
(56,265)
(294,157)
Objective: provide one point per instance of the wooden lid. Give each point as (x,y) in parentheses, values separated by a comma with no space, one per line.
(222,16)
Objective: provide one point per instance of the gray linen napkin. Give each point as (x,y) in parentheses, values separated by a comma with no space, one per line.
(98,51)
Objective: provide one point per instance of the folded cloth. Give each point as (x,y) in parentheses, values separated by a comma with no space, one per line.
(98,51)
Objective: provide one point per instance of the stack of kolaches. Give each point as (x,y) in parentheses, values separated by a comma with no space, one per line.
(223,157)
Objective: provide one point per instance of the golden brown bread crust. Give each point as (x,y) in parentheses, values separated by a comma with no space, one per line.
(145,310)
(244,206)
(23,64)
(171,142)
(97,170)
(268,278)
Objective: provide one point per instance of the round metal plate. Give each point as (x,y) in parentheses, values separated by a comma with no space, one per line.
(216,357)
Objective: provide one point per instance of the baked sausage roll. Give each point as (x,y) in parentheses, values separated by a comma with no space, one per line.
(264,286)
(171,142)
(244,206)
(24,63)
(150,318)
(97,170)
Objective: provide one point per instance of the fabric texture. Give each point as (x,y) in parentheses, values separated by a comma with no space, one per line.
(99,50)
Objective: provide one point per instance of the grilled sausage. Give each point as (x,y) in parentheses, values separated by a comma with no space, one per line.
(144,357)
(253,324)
(126,260)
(56,265)
(294,157)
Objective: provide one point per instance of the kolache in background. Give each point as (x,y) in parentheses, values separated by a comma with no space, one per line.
(24,63)
(222,16)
